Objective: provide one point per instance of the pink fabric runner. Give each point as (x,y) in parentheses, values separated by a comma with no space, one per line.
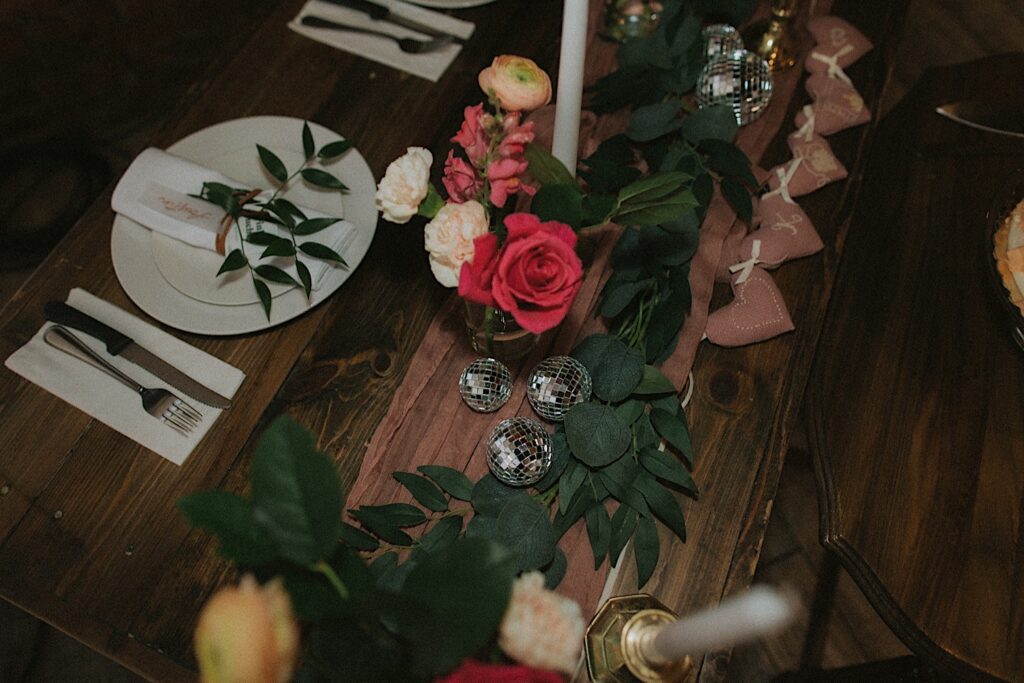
(427,422)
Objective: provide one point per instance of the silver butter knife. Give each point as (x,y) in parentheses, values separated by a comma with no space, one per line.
(1005,118)
(382,13)
(121,345)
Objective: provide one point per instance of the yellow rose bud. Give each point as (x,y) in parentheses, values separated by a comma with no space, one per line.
(516,82)
(247,634)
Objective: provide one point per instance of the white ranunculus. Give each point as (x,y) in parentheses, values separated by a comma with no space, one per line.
(449,239)
(541,628)
(405,185)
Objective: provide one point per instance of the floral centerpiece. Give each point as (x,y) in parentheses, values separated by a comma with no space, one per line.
(518,274)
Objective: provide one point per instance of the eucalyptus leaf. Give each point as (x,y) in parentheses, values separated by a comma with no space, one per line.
(524,528)
(583,499)
(572,477)
(630,410)
(490,495)
(559,202)
(653,121)
(455,483)
(233,261)
(666,320)
(423,490)
(381,525)
(317,250)
(334,149)
(357,538)
(560,457)
(396,514)
(652,187)
(307,141)
(673,428)
(727,159)
(482,526)
(668,248)
(646,548)
(596,435)
(230,518)
(615,369)
(272,163)
(738,197)
(618,476)
(442,534)
(313,225)
(654,382)
(669,208)
(545,168)
(662,503)
(296,493)
(274,274)
(322,179)
(623,523)
(717,122)
(618,295)
(665,466)
(555,571)
(599,531)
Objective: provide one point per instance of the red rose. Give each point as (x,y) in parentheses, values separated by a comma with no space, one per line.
(477,672)
(534,276)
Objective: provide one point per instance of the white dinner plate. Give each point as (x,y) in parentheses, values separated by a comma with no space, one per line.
(450,4)
(213,306)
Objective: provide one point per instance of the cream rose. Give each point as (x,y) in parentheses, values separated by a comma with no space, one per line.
(541,628)
(405,185)
(247,634)
(517,82)
(449,238)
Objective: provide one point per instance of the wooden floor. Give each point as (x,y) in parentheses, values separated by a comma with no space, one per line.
(937,32)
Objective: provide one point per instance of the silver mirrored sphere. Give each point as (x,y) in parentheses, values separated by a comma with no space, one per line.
(519,451)
(557,384)
(485,385)
(739,79)
(720,39)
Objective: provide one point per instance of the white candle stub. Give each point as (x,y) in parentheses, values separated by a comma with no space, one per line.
(569,98)
(760,612)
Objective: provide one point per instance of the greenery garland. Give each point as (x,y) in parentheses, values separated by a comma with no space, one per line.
(378,593)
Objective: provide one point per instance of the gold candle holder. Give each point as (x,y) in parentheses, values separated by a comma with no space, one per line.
(777,41)
(620,643)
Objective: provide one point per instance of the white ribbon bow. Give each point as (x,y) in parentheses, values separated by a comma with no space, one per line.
(806,131)
(834,70)
(747,267)
(784,178)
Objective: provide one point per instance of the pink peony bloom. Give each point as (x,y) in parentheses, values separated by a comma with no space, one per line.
(472,136)
(461,180)
(505,178)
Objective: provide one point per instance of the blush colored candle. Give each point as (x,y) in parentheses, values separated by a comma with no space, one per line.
(570,82)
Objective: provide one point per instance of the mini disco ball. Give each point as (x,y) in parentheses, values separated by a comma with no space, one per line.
(740,79)
(485,385)
(519,451)
(557,384)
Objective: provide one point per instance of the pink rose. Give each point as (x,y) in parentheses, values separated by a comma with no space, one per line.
(516,82)
(472,136)
(472,671)
(534,276)
(461,180)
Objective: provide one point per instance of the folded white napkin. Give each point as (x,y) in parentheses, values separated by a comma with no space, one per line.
(428,65)
(154,192)
(112,403)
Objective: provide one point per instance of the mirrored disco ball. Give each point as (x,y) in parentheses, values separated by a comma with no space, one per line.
(557,384)
(485,385)
(720,39)
(740,79)
(519,451)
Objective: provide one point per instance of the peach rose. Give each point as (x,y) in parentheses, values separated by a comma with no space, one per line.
(541,628)
(247,634)
(405,185)
(517,83)
(449,238)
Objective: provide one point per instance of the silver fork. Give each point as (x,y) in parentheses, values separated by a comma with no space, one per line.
(159,403)
(409,45)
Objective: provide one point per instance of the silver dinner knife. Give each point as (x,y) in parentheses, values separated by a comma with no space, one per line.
(1005,118)
(382,13)
(119,344)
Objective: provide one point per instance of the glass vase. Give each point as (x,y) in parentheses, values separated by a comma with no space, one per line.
(625,19)
(496,334)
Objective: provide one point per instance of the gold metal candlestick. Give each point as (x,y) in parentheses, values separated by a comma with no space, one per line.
(777,41)
(620,643)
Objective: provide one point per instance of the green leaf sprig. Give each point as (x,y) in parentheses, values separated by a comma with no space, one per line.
(238,203)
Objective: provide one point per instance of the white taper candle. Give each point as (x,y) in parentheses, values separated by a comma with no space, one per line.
(760,612)
(570,82)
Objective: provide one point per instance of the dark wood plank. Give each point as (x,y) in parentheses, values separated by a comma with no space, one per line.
(920,470)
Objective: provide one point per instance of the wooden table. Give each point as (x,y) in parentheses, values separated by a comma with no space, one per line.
(917,398)
(90,540)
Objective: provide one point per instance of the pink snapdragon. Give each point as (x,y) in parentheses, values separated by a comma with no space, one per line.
(461,179)
(473,136)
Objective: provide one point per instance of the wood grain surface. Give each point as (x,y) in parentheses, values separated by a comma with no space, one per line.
(916,402)
(90,540)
